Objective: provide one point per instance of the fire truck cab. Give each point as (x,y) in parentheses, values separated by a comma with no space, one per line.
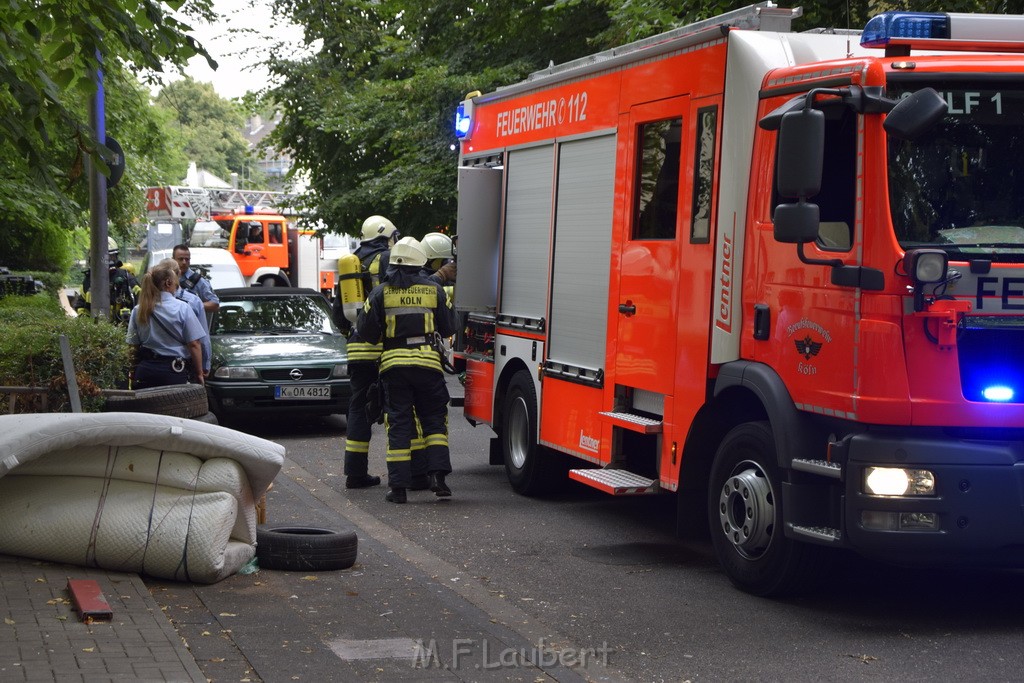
(778,274)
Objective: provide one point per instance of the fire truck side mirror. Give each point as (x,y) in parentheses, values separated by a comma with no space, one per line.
(915,114)
(800,153)
(796,223)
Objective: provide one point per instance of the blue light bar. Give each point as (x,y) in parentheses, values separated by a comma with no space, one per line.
(998,393)
(250,209)
(887,26)
(463,119)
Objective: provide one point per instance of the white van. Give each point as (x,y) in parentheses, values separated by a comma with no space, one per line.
(217,264)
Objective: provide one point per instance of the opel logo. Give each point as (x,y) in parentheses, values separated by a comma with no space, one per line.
(295,374)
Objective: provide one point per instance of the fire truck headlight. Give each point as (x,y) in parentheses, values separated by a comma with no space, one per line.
(897,481)
(926,266)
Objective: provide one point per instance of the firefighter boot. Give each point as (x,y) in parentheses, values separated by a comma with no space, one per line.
(361,481)
(395,495)
(438,486)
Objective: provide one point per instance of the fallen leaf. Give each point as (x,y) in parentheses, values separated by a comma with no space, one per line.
(228,614)
(309,578)
(88,649)
(217,659)
(40,580)
(9,622)
(205,633)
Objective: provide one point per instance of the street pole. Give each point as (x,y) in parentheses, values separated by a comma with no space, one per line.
(99,279)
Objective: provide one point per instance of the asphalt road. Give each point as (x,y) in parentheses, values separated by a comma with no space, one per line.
(603,572)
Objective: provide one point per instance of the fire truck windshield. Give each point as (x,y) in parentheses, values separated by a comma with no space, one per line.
(960,187)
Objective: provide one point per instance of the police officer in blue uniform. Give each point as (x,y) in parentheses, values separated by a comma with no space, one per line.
(193,281)
(164,332)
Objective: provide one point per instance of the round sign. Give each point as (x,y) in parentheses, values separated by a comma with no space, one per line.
(117,163)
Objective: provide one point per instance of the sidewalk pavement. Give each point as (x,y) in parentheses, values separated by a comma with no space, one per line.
(399,614)
(42,637)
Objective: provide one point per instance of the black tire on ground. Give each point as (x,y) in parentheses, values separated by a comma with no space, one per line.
(745,515)
(296,548)
(178,400)
(208,418)
(532,469)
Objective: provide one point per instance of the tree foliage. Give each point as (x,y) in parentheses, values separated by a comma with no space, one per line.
(367,115)
(207,128)
(49,55)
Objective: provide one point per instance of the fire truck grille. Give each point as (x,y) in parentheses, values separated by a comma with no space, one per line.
(991,356)
(285,374)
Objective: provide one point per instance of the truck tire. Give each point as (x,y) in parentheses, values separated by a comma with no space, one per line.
(532,469)
(176,400)
(295,548)
(745,517)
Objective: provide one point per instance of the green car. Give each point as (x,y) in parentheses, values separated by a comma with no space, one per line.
(276,350)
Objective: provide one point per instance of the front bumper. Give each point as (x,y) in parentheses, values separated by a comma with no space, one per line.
(978,501)
(255,398)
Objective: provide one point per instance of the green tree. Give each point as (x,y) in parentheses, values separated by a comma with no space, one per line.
(208,127)
(368,113)
(49,54)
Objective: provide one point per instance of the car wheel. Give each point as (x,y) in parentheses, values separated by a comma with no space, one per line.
(295,548)
(177,400)
(208,418)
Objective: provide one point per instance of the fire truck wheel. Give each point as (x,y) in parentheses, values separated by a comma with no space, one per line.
(300,548)
(745,516)
(532,469)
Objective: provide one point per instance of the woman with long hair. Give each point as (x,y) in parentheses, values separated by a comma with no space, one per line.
(164,332)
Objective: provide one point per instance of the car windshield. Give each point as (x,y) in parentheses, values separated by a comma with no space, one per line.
(273,315)
(960,187)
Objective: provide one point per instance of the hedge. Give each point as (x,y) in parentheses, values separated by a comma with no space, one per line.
(30,356)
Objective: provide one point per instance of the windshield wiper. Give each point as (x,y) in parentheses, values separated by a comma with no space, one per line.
(983,245)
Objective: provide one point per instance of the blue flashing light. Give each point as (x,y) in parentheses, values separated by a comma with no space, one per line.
(998,393)
(250,209)
(887,26)
(463,120)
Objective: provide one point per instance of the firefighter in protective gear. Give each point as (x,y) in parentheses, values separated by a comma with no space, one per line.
(379,235)
(405,313)
(378,226)
(124,287)
(440,257)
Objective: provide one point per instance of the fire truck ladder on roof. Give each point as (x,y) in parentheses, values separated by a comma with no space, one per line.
(231,201)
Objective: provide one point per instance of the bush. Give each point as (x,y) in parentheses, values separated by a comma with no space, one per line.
(30,330)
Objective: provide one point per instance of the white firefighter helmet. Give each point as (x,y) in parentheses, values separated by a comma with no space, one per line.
(377,226)
(407,252)
(437,245)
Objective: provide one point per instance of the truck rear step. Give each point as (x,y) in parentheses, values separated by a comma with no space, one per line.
(615,482)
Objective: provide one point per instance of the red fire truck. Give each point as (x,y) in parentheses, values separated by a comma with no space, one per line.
(780,274)
(269,249)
